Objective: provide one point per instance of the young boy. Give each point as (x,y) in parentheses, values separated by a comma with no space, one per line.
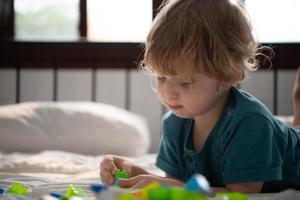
(198,50)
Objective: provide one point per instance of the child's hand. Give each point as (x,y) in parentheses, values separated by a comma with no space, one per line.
(109,166)
(145,179)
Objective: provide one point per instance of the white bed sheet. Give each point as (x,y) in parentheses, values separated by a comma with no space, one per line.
(53,171)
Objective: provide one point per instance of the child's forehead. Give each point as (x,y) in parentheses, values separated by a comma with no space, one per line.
(175,69)
(192,77)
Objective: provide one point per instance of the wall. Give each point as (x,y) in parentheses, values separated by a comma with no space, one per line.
(37,85)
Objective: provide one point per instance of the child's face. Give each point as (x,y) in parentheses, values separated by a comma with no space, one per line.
(189,99)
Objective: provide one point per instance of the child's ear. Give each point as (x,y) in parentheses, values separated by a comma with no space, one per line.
(226,85)
(231,82)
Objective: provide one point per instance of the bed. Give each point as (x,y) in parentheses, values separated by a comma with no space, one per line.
(49,145)
(53,171)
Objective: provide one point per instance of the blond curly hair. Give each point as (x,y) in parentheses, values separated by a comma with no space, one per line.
(213,37)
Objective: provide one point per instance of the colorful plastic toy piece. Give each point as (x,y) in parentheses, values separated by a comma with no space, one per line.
(231,196)
(120,174)
(198,183)
(48,197)
(159,193)
(182,194)
(143,193)
(74,191)
(97,188)
(154,191)
(126,197)
(17,189)
(1,191)
(103,192)
(170,193)
(56,195)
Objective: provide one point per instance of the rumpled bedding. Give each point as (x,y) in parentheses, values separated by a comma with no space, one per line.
(48,162)
(53,171)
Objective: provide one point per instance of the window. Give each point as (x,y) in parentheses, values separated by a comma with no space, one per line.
(118,21)
(107,20)
(46,19)
(275,21)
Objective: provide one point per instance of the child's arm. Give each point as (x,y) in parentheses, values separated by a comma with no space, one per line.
(138,177)
(247,188)
(145,179)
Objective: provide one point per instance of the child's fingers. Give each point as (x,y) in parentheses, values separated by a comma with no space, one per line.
(103,179)
(111,167)
(107,177)
(128,183)
(139,185)
(108,164)
(107,170)
(127,166)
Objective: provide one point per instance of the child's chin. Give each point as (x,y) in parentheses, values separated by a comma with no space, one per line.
(182,115)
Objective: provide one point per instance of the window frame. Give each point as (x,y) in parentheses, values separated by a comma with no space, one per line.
(71,54)
(86,54)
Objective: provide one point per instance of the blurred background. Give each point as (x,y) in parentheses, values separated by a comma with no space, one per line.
(88,50)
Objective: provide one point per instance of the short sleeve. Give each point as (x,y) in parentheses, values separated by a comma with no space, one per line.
(252,153)
(167,159)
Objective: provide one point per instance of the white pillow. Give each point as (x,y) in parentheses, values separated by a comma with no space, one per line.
(79,127)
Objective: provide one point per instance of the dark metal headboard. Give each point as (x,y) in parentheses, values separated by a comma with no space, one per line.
(73,55)
(93,55)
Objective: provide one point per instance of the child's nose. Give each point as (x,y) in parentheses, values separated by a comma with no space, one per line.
(171,92)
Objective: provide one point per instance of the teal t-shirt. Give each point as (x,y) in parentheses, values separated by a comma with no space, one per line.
(247,144)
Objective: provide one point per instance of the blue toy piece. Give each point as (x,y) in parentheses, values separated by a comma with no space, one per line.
(97,188)
(2,191)
(102,192)
(56,195)
(198,183)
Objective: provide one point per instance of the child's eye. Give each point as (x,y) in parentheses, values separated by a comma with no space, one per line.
(185,84)
(161,78)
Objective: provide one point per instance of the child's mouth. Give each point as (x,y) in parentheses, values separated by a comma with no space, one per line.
(174,107)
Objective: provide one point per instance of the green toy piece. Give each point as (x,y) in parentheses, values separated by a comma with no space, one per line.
(17,189)
(182,194)
(154,191)
(74,191)
(231,196)
(126,197)
(159,193)
(120,174)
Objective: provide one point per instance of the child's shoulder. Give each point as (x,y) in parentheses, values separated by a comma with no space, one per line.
(244,103)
